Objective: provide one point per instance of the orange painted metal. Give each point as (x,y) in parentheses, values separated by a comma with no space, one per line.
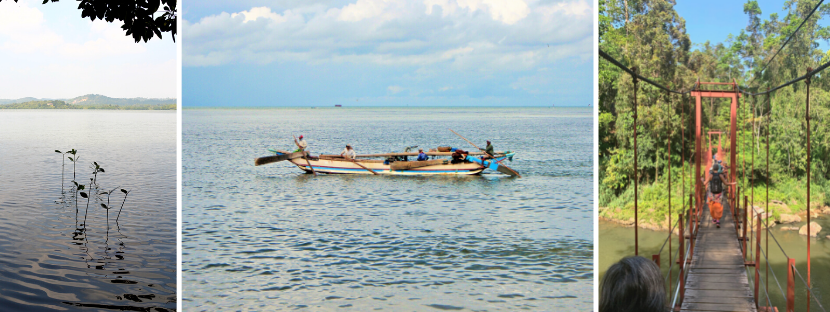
(809,234)
(636,176)
(681,237)
(757,257)
(790,285)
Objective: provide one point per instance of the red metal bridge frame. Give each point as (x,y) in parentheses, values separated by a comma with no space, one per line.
(733,94)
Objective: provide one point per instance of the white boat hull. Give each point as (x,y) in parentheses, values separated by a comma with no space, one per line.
(348,167)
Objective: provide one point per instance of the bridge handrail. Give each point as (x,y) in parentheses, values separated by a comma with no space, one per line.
(677,289)
(766,224)
(671,231)
(775,278)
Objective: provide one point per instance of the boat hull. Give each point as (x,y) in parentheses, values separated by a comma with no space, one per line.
(347,167)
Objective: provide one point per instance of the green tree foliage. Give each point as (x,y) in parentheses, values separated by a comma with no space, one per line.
(651,36)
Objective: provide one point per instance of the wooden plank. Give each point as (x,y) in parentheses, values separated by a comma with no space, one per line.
(705,295)
(717,279)
(405,165)
(719,307)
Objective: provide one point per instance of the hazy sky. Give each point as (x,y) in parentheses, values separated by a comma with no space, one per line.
(49,51)
(387,52)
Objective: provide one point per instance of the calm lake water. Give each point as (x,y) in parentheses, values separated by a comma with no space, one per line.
(272,237)
(616,242)
(48,261)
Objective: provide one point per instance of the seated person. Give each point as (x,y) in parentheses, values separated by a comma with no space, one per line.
(632,284)
(421,155)
(348,153)
(459,156)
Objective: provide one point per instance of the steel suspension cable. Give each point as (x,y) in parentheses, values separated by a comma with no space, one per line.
(788,40)
(808,288)
(773,277)
(809,74)
(639,77)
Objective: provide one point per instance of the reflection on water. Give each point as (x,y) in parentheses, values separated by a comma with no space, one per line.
(273,237)
(616,241)
(54,256)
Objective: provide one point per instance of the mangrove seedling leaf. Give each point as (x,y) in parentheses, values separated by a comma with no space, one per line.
(103,206)
(124,191)
(80,186)
(101,170)
(57,151)
(70,158)
(83,195)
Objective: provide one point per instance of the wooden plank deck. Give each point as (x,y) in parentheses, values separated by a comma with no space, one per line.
(717,278)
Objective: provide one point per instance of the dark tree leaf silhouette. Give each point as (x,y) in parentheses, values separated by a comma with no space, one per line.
(137,15)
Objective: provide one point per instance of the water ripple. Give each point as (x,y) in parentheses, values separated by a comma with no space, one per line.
(272,236)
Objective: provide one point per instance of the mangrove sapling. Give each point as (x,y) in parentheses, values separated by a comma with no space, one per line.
(63,164)
(74,161)
(95,170)
(126,192)
(107,206)
(87,196)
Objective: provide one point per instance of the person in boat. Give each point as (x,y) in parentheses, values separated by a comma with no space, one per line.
(348,152)
(301,144)
(459,156)
(489,150)
(421,155)
(715,186)
(632,284)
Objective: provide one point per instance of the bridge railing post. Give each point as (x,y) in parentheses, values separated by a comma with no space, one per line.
(691,231)
(744,226)
(681,237)
(790,285)
(757,257)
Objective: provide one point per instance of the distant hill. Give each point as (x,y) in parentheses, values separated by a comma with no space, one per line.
(97,99)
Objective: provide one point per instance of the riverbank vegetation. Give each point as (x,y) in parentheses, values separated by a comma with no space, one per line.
(64,105)
(650,35)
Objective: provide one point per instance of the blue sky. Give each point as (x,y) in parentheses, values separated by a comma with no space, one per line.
(387,53)
(714,20)
(49,51)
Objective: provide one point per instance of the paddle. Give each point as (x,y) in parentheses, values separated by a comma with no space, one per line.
(362,166)
(499,168)
(275,158)
(304,156)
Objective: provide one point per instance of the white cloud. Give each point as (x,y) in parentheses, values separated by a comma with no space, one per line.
(259,12)
(480,35)
(366,9)
(394,89)
(505,11)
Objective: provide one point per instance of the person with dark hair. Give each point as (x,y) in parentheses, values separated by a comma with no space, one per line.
(421,155)
(488,151)
(459,156)
(633,284)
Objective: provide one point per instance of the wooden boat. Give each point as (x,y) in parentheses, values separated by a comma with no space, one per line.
(379,163)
